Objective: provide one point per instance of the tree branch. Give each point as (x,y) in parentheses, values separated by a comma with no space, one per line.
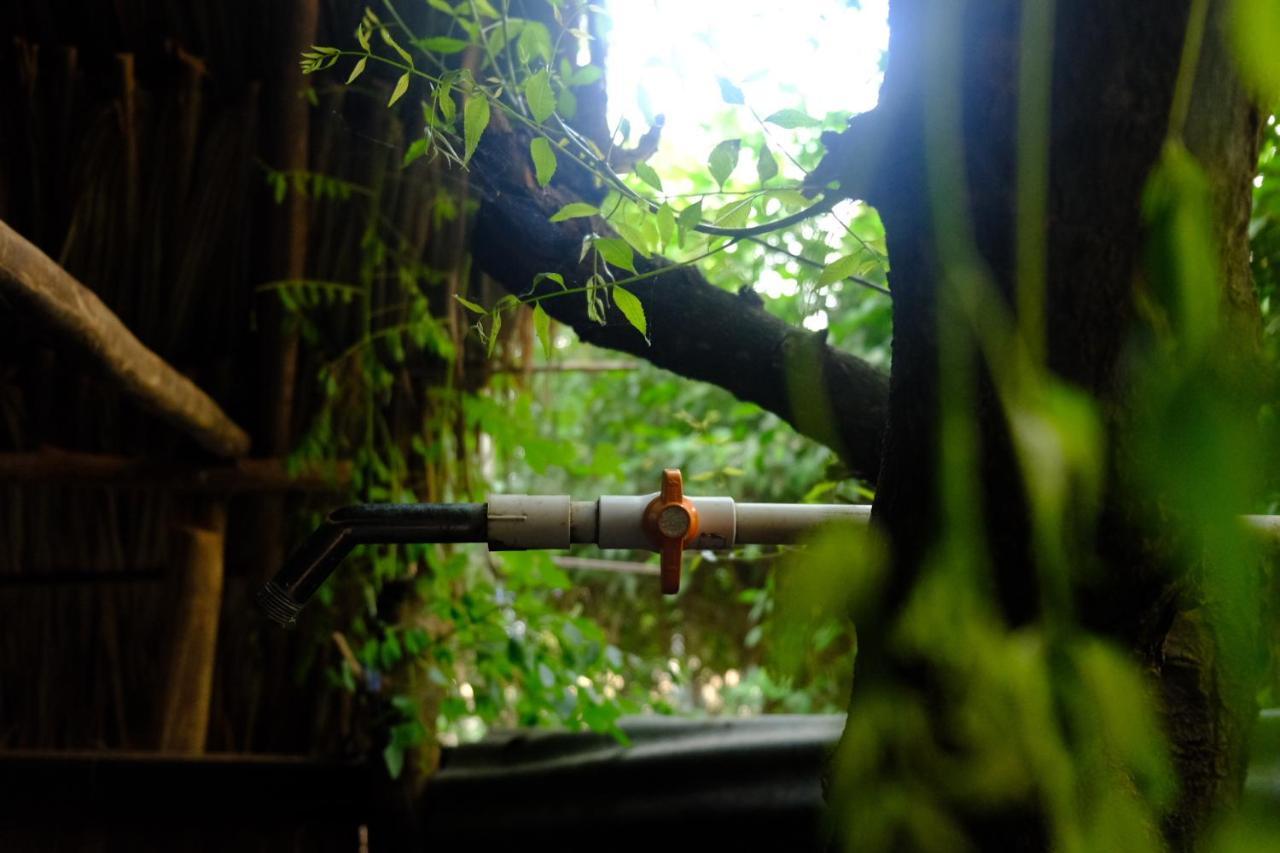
(853,159)
(696,329)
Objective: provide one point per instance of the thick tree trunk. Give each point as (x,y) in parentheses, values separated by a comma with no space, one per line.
(1113,72)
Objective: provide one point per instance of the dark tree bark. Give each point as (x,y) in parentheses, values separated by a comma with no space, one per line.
(1113,73)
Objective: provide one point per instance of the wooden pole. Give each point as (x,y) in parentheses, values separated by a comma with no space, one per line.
(37,285)
(71,467)
(189,688)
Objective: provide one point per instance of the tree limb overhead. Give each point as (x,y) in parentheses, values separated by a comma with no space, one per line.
(696,329)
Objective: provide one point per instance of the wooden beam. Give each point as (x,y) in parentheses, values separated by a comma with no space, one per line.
(54,465)
(35,284)
(188,690)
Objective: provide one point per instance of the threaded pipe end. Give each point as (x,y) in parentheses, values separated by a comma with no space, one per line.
(277,604)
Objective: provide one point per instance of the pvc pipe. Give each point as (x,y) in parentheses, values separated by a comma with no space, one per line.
(784,524)
(521,522)
(518,522)
(613,521)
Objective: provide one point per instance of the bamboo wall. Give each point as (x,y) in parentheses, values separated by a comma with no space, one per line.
(133,150)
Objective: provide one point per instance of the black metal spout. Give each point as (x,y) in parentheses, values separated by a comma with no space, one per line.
(284,596)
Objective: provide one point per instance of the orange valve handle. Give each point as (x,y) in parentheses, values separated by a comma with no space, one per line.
(671,522)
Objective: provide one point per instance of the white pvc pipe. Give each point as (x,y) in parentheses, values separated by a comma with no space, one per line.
(518,522)
(783,524)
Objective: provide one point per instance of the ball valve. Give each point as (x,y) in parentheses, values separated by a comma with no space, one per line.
(671,521)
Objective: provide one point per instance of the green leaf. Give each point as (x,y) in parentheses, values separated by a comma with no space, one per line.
(633,235)
(791,199)
(766,166)
(416,150)
(838,270)
(735,215)
(573,210)
(567,103)
(442,44)
(402,86)
(631,308)
(731,93)
(475,118)
(1256,32)
(792,118)
(469,305)
(646,173)
(534,42)
(441,6)
(279,186)
(1181,254)
(537,91)
(691,216)
(444,99)
(493,332)
(544,159)
(585,76)
(404,54)
(500,35)
(724,159)
(393,757)
(616,252)
(550,276)
(358,70)
(666,223)
(542,326)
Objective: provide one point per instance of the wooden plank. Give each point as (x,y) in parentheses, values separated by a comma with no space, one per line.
(55,465)
(188,690)
(37,285)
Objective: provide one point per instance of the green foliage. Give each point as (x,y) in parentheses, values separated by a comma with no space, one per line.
(544,160)
(615,251)
(1256,32)
(475,118)
(537,91)
(731,93)
(792,118)
(723,160)
(631,309)
(402,86)
(646,173)
(574,210)
(1182,257)
(1264,231)
(766,165)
